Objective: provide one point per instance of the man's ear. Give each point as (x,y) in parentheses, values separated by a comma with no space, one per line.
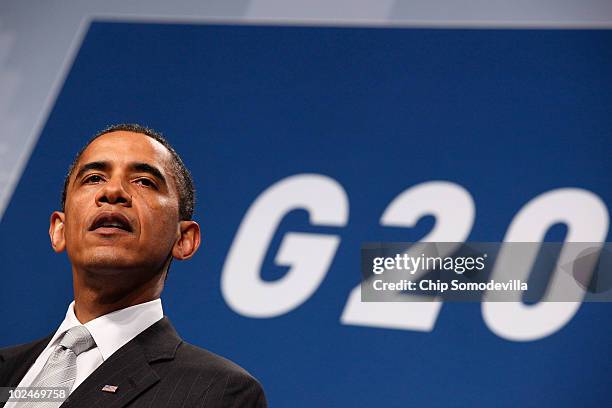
(57,230)
(188,242)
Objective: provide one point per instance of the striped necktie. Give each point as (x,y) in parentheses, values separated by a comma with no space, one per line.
(60,369)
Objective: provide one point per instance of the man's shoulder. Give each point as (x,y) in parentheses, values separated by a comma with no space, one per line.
(204,361)
(161,342)
(22,348)
(210,379)
(219,378)
(16,348)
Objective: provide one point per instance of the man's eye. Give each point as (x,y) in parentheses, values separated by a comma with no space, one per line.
(146,182)
(94,178)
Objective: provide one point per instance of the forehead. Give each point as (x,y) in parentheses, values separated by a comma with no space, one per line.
(124,147)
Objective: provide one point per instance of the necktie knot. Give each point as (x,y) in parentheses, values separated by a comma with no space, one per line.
(78,339)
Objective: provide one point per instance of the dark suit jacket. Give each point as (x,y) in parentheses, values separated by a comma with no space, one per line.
(155,369)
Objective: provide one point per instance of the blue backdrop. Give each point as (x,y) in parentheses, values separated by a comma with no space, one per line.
(506,114)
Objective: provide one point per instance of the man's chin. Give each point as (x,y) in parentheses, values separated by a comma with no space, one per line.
(108,268)
(114,260)
(110,261)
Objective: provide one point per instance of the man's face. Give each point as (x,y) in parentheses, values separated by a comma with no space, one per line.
(121,208)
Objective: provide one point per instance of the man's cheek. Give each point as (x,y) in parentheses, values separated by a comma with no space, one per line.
(164,232)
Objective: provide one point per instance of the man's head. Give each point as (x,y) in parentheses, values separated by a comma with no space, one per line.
(126,207)
(181,174)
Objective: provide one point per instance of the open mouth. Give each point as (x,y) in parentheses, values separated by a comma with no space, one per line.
(109,222)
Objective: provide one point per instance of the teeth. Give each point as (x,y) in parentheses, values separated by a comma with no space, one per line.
(112,225)
(112,222)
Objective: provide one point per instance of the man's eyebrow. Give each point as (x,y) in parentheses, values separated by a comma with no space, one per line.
(97,165)
(147,168)
(137,166)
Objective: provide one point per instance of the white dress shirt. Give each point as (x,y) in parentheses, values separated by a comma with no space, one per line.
(110,332)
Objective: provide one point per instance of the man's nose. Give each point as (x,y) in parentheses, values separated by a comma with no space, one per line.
(113,192)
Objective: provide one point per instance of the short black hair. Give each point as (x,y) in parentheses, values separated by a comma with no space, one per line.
(182,176)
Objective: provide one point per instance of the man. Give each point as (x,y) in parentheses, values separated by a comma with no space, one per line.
(126,214)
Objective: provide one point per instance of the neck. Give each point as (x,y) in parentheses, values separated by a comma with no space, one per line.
(97,295)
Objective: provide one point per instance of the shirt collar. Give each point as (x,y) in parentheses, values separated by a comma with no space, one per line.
(111,331)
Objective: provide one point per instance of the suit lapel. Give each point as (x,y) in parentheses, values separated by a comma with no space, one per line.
(129,369)
(16,361)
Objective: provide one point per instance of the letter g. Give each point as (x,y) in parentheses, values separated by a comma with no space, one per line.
(308,255)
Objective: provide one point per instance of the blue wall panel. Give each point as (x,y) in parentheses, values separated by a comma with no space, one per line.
(507,114)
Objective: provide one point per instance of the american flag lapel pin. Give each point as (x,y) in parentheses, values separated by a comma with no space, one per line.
(110,388)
